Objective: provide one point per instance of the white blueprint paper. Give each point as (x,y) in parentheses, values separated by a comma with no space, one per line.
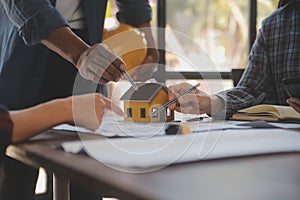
(165,150)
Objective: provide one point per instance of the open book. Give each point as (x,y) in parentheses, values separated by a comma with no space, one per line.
(267,113)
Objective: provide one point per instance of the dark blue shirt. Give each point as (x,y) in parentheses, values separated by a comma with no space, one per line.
(24,23)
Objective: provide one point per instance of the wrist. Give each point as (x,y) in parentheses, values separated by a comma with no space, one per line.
(217,104)
(66,43)
(146,29)
(144,25)
(67,106)
(62,110)
(78,50)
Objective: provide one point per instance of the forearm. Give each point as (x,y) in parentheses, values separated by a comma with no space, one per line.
(32,121)
(146,28)
(66,43)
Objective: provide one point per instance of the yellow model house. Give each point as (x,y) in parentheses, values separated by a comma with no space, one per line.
(139,105)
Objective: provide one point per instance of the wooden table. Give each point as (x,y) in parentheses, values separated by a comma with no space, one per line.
(264,177)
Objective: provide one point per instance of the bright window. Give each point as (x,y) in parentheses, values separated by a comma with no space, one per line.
(156,115)
(218,27)
(265,8)
(169,113)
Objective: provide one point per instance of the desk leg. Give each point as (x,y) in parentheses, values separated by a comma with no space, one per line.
(61,188)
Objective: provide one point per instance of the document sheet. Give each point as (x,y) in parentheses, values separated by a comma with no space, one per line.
(146,146)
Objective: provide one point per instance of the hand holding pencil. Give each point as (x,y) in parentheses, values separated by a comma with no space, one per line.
(196,102)
(184,102)
(175,99)
(100,64)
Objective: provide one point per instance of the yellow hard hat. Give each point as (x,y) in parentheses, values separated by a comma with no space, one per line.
(127,41)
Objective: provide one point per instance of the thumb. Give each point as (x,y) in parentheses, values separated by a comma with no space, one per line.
(187,99)
(171,96)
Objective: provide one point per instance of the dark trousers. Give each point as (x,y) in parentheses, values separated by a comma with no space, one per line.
(17,180)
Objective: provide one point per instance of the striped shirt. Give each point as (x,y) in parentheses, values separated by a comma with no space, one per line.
(275,55)
(6,126)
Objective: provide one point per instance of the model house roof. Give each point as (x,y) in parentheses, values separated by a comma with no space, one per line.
(145,93)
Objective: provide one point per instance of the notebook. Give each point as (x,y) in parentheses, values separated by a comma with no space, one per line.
(268,113)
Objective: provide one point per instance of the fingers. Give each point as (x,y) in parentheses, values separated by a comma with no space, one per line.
(189,110)
(187,99)
(295,106)
(191,103)
(102,103)
(119,64)
(143,72)
(294,103)
(113,107)
(101,111)
(295,100)
(175,90)
(103,75)
(147,68)
(186,104)
(152,56)
(186,110)
(171,97)
(148,59)
(99,104)
(100,64)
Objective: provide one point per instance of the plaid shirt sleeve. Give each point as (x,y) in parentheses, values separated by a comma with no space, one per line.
(274,56)
(256,80)
(6,127)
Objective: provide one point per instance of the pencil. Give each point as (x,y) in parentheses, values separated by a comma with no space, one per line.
(128,78)
(175,99)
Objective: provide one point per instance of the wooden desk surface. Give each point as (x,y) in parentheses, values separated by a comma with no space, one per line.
(255,177)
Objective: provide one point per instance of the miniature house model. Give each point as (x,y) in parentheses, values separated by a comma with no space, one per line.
(139,105)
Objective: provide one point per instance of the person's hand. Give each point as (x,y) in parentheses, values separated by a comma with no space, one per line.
(100,65)
(97,63)
(188,103)
(197,102)
(88,110)
(147,68)
(294,103)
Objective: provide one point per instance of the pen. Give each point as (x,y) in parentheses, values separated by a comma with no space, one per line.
(128,78)
(195,119)
(175,99)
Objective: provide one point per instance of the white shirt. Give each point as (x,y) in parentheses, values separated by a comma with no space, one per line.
(72,10)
